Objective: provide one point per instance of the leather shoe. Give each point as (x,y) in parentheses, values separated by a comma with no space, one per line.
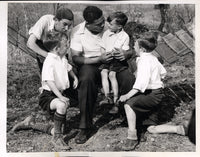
(81,137)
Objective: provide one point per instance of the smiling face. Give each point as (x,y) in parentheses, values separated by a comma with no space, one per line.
(97,26)
(63,25)
(113,26)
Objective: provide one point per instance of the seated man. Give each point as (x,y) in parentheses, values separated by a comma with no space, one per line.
(86,43)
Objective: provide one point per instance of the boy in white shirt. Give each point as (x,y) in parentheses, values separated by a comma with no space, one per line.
(147,92)
(114,39)
(55,81)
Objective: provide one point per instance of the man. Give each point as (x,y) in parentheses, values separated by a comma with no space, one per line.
(85,48)
(47,27)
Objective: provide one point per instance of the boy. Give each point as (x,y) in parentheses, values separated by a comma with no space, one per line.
(114,39)
(146,93)
(48,27)
(55,81)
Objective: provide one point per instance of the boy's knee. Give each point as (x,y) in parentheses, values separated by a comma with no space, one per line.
(62,107)
(112,75)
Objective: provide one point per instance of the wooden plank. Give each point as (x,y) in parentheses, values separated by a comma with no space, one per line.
(175,44)
(166,52)
(186,39)
(12,40)
(12,36)
(190,28)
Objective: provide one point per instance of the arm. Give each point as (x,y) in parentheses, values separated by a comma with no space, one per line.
(127,96)
(75,84)
(31,43)
(55,90)
(79,59)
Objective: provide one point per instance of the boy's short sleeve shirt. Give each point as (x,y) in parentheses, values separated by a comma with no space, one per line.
(113,40)
(43,27)
(84,41)
(149,73)
(56,69)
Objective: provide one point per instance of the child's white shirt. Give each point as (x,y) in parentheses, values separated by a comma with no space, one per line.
(113,40)
(56,69)
(149,73)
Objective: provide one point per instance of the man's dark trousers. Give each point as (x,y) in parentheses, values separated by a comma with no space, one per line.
(89,80)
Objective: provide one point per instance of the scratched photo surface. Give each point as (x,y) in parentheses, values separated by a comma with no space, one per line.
(175,28)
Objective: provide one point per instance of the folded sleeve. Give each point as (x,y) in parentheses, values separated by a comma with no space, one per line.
(39,27)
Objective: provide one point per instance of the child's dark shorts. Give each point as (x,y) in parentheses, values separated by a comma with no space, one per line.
(115,65)
(143,104)
(45,100)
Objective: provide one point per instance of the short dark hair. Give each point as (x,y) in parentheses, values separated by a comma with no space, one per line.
(120,17)
(64,13)
(92,13)
(50,44)
(148,41)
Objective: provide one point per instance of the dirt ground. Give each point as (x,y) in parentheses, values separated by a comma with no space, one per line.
(23,84)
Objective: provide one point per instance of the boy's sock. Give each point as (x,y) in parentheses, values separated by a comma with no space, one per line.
(59,119)
(132,134)
(43,128)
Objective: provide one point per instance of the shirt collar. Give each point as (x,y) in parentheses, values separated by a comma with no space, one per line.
(113,33)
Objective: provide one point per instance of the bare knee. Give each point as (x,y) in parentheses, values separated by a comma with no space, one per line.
(61,107)
(112,75)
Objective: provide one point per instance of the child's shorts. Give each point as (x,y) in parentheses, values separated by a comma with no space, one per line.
(115,65)
(45,100)
(144,104)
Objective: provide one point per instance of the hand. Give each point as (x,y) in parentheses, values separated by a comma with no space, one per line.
(75,84)
(123,98)
(64,99)
(106,57)
(118,54)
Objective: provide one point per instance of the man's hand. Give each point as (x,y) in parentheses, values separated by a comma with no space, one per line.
(106,57)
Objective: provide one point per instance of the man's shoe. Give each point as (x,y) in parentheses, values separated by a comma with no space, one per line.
(129,144)
(114,110)
(81,137)
(25,124)
(59,143)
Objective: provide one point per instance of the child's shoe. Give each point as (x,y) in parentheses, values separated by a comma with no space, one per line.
(25,124)
(114,110)
(129,144)
(106,100)
(59,143)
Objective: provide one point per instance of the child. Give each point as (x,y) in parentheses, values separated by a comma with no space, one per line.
(55,81)
(114,39)
(146,93)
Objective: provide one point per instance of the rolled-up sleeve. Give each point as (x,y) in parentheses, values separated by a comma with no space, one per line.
(126,44)
(38,28)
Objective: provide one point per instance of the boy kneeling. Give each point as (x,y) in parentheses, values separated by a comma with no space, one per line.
(55,82)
